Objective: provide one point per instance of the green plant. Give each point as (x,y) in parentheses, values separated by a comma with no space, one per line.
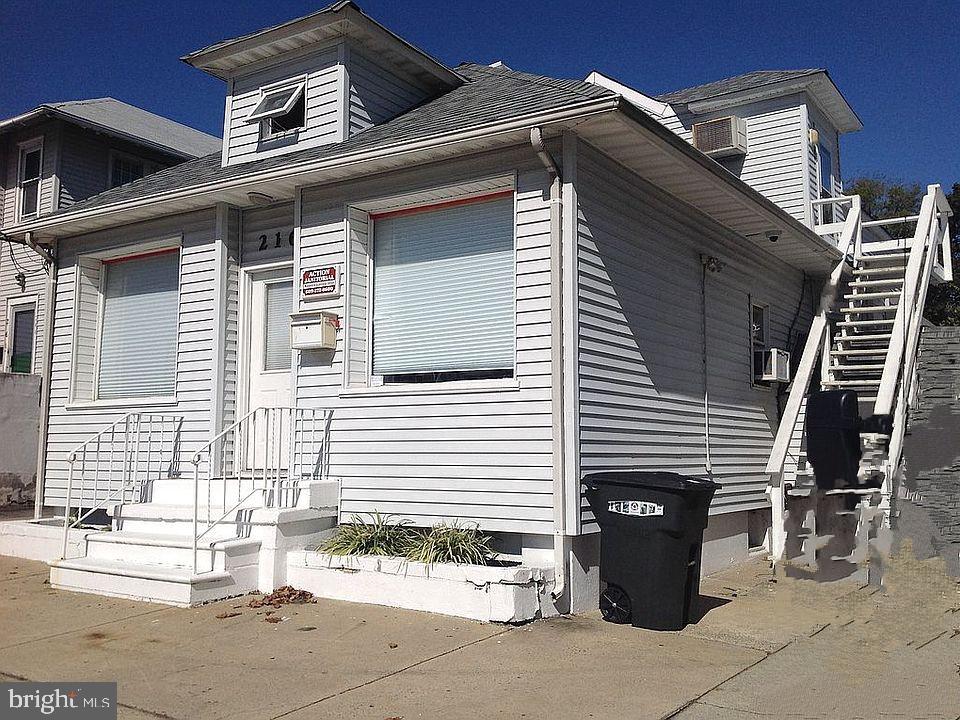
(454,542)
(380,536)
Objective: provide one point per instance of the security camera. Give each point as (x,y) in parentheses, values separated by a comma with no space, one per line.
(772,235)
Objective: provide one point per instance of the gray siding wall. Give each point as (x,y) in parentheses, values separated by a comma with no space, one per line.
(641,378)
(50,132)
(376,93)
(324,106)
(829,139)
(482,455)
(776,163)
(73,423)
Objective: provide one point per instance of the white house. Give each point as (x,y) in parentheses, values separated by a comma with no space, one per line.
(436,293)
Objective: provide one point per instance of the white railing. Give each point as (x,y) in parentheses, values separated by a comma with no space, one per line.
(929,252)
(260,460)
(818,340)
(119,464)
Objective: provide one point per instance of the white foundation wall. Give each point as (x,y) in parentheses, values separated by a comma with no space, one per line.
(432,453)
(641,373)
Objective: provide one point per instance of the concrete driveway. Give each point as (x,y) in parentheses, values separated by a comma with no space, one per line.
(764,648)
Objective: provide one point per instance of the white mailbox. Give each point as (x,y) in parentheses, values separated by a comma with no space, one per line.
(314,330)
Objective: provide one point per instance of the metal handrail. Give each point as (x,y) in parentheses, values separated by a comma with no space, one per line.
(264,452)
(130,463)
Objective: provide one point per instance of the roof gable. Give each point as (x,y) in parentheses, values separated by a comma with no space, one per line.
(125,121)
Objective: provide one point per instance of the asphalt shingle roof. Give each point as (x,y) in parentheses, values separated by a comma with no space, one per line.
(747,81)
(492,94)
(138,123)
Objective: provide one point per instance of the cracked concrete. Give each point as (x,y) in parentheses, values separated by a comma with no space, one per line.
(766,647)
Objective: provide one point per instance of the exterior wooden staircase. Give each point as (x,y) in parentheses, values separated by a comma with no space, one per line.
(865,337)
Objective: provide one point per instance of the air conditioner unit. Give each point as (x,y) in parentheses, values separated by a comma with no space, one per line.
(775,364)
(722,137)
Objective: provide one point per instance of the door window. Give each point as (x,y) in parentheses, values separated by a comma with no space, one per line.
(278,303)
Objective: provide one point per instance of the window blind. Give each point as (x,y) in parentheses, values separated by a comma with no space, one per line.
(443,290)
(276,323)
(138,337)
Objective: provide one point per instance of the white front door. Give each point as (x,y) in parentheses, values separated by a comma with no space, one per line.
(271,302)
(268,367)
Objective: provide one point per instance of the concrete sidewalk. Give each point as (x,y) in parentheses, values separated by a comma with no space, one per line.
(766,647)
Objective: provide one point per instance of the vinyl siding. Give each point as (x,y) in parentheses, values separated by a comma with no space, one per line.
(49,131)
(641,377)
(70,426)
(433,454)
(324,106)
(775,164)
(13,259)
(378,94)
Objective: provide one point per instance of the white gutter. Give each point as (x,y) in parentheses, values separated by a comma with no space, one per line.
(568,112)
(556,364)
(48,316)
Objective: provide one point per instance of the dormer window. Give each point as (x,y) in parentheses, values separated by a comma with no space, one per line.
(280,110)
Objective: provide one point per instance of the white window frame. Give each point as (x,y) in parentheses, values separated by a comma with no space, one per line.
(299,85)
(28,146)
(375,382)
(14,305)
(168,244)
(765,308)
(149,166)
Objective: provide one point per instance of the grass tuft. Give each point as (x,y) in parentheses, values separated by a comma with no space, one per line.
(383,535)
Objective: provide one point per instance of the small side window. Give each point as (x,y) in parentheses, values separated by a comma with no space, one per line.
(28,179)
(280,110)
(20,330)
(759,339)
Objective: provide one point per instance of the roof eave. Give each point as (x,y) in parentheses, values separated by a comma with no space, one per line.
(59,224)
(777,216)
(210,59)
(819,84)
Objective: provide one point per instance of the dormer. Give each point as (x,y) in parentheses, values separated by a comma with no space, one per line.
(777,130)
(316,80)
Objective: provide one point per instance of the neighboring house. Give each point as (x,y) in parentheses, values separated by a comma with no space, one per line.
(449,292)
(52,157)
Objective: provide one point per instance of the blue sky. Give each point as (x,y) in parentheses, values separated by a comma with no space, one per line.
(894,61)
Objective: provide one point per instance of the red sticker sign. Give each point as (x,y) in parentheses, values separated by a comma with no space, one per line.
(319,282)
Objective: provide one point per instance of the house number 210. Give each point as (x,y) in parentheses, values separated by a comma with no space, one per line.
(265,240)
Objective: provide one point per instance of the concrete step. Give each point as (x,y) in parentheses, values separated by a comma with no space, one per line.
(170,586)
(170,551)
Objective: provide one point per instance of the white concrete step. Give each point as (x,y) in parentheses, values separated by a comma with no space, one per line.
(170,586)
(172,551)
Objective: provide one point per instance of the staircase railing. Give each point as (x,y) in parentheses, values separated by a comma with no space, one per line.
(930,240)
(268,452)
(817,339)
(118,464)
(816,347)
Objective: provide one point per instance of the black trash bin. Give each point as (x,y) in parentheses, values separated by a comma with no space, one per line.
(651,535)
(833,437)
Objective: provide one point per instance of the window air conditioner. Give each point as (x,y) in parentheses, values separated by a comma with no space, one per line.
(721,137)
(776,365)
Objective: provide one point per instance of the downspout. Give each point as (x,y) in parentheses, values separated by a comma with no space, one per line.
(48,315)
(556,362)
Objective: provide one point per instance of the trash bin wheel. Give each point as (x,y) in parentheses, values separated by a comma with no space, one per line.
(615,605)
